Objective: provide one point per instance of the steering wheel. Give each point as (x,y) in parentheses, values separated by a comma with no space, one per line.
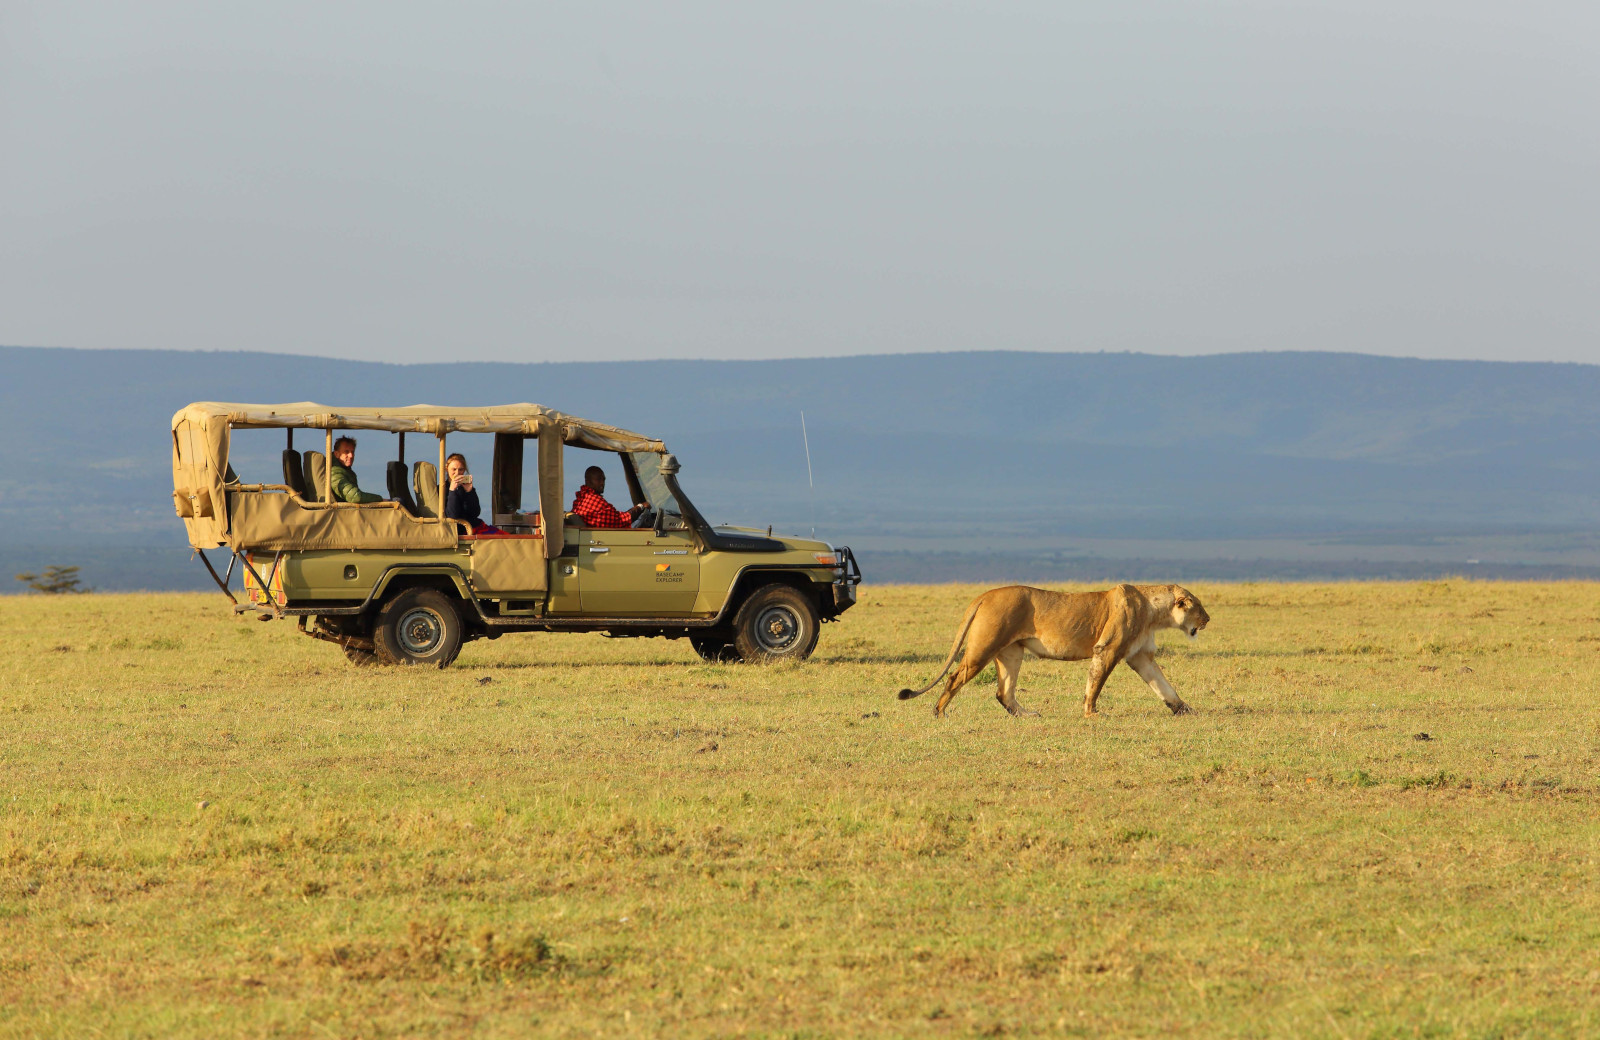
(646,517)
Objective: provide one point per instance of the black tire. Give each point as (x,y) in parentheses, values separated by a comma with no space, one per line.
(419,626)
(714,646)
(777,623)
(361,658)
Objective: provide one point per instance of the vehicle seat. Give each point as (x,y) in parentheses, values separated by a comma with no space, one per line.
(425,479)
(574,520)
(316,473)
(398,489)
(293,474)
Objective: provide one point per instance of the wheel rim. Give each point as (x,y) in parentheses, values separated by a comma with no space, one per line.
(777,629)
(420,631)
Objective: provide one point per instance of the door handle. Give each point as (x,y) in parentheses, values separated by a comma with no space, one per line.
(599,549)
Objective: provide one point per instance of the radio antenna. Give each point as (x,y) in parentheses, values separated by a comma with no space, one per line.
(807,437)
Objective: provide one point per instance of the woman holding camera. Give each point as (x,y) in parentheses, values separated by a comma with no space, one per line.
(461,499)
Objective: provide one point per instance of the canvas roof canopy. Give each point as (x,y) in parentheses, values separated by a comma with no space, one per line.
(418,418)
(201,490)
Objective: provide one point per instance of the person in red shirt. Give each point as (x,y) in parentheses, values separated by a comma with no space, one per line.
(592,506)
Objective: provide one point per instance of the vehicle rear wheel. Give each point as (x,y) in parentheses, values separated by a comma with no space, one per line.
(777,623)
(714,646)
(419,626)
(361,658)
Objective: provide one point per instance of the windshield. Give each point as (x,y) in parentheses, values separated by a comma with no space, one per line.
(647,467)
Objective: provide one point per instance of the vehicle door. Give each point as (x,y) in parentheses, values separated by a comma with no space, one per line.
(625,572)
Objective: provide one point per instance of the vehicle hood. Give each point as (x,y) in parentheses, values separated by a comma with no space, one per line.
(790,542)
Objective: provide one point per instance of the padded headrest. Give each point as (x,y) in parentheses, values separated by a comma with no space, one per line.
(574,520)
(293,474)
(316,474)
(398,490)
(425,478)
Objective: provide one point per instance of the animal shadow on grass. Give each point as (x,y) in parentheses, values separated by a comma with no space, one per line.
(902,658)
(434,951)
(1309,651)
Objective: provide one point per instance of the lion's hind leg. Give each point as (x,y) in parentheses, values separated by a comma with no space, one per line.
(1008,663)
(975,661)
(963,674)
(1101,666)
(992,629)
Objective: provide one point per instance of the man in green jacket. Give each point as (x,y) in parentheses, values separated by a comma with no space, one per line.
(343,478)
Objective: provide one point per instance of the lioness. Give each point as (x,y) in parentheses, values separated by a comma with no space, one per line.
(1116,625)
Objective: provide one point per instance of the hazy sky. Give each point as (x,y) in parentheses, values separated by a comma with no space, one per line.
(588,180)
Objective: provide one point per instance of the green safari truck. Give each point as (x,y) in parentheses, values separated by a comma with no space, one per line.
(394,581)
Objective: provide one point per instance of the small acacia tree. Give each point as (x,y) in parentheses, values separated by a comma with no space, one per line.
(54,580)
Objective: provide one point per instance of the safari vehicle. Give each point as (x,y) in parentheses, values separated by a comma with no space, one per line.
(394,582)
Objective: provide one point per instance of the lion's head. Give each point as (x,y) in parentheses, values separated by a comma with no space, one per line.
(1187,613)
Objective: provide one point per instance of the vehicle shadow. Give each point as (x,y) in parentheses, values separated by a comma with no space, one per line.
(630,662)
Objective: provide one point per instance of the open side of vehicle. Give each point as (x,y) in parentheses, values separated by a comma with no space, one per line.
(395,582)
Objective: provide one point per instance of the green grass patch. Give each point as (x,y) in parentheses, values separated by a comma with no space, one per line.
(1380,823)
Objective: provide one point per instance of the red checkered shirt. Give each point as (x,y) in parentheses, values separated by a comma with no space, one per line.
(597,512)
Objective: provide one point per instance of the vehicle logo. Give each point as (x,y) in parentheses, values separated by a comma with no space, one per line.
(660,567)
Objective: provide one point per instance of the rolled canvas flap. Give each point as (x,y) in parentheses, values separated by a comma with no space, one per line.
(198,467)
(552,511)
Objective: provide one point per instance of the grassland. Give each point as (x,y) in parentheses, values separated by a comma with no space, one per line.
(213,826)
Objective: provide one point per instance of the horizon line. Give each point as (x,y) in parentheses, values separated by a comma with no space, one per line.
(800,357)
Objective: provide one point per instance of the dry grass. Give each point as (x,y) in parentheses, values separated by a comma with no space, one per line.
(215,827)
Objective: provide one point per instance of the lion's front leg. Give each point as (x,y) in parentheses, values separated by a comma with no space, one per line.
(1145,664)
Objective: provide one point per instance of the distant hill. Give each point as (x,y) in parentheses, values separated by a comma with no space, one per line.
(965,451)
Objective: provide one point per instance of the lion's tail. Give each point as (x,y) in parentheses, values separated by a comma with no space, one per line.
(955,652)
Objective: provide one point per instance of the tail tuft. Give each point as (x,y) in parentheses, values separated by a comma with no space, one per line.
(906,695)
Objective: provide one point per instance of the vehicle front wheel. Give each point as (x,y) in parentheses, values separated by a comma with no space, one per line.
(419,626)
(777,623)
